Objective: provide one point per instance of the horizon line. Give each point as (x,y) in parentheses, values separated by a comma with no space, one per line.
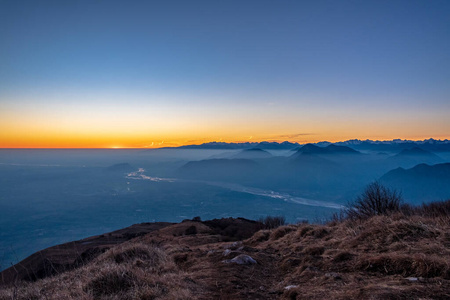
(184,145)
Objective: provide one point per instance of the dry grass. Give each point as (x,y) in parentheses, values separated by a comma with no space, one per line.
(129,271)
(281,231)
(417,265)
(402,255)
(395,256)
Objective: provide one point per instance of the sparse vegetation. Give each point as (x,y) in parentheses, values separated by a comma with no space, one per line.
(130,271)
(376,200)
(271,222)
(436,210)
(399,253)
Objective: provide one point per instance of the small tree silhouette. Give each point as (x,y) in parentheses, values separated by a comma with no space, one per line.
(375,200)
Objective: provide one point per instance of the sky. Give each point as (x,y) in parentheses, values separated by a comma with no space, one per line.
(103,74)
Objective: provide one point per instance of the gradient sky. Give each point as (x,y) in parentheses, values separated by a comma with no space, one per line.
(160,73)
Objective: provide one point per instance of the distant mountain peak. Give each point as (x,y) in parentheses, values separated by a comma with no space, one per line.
(330,149)
(245,145)
(340,149)
(355,144)
(313,149)
(425,170)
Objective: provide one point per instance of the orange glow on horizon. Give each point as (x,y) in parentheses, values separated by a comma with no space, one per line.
(117,122)
(135,131)
(106,143)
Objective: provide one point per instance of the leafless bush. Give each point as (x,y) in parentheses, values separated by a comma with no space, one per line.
(375,200)
(271,222)
(435,209)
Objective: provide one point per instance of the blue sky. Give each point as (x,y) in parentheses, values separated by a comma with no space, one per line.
(298,66)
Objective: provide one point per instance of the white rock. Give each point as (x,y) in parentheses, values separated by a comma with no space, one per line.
(290,287)
(226,252)
(241,260)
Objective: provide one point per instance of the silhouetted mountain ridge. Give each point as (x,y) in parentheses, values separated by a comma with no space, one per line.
(410,157)
(246,145)
(441,171)
(330,149)
(389,145)
(420,182)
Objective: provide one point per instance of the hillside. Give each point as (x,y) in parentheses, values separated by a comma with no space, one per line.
(421,181)
(401,256)
(410,157)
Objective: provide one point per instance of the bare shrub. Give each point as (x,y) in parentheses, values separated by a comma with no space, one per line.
(374,201)
(271,222)
(438,211)
(336,218)
(434,209)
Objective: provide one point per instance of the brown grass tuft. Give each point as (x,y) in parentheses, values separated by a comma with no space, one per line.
(111,283)
(281,232)
(258,237)
(406,265)
(131,253)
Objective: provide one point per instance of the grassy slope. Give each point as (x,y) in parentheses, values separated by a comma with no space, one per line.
(384,257)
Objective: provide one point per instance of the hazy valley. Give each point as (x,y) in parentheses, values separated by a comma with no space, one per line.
(53,196)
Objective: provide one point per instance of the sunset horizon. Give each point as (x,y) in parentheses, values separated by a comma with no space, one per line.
(107,74)
(169,144)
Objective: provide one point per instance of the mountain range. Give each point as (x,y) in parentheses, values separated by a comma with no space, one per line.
(421,181)
(330,149)
(331,172)
(367,145)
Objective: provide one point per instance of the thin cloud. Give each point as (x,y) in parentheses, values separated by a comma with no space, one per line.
(293,136)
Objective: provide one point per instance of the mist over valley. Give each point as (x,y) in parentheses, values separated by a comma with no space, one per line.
(53,196)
